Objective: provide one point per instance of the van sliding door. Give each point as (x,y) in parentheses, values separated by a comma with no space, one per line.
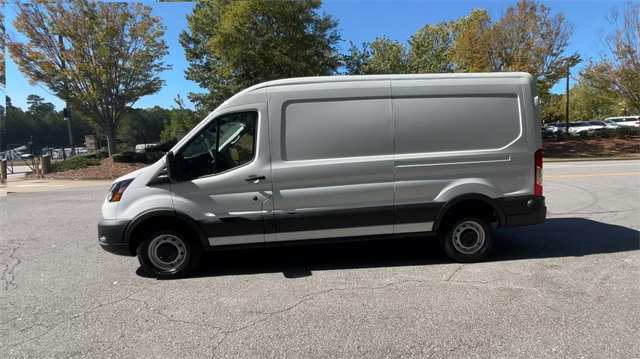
(332,160)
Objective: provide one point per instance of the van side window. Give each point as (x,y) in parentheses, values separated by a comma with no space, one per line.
(227,142)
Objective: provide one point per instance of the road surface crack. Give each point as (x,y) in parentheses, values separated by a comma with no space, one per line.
(312,296)
(8,273)
(170,319)
(74,317)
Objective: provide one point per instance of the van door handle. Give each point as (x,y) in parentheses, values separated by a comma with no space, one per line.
(254,178)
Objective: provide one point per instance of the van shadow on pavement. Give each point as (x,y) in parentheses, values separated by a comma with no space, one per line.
(556,238)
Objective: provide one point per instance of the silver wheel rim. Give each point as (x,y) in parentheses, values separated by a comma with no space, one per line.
(167,253)
(468,237)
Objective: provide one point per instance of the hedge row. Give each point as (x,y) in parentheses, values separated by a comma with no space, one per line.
(137,157)
(620,132)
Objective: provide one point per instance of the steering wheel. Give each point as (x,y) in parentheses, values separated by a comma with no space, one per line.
(223,163)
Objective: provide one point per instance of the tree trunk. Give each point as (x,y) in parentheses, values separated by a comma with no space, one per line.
(111,141)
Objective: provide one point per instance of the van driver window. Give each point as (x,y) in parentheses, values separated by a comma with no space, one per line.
(227,142)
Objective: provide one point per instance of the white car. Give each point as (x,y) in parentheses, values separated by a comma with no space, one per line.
(577,127)
(633,121)
(603,125)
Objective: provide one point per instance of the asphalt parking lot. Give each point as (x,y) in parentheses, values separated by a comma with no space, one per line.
(568,288)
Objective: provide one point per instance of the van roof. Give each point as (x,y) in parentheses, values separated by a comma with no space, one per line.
(359,78)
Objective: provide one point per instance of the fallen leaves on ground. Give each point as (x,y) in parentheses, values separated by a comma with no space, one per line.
(597,148)
(106,170)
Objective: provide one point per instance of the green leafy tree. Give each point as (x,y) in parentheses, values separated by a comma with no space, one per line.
(231,45)
(590,102)
(42,125)
(38,107)
(143,125)
(181,121)
(381,56)
(553,108)
(618,70)
(432,47)
(99,57)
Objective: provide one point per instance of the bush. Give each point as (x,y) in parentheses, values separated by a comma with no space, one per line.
(595,134)
(134,157)
(75,163)
(628,131)
(620,132)
(98,154)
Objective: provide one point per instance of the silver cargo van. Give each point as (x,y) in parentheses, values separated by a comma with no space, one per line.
(339,157)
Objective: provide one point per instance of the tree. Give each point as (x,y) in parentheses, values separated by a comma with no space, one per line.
(588,102)
(473,47)
(527,38)
(619,68)
(143,125)
(38,107)
(431,48)
(181,121)
(98,57)
(381,56)
(3,65)
(231,45)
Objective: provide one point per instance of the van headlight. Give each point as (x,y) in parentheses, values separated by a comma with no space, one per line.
(117,189)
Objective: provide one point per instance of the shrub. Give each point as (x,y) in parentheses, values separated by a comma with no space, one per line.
(134,157)
(97,154)
(628,131)
(75,163)
(595,134)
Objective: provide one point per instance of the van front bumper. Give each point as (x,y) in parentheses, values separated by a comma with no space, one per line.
(111,236)
(523,210)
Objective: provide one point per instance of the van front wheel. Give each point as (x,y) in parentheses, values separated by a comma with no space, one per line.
(468,240)
(168,254)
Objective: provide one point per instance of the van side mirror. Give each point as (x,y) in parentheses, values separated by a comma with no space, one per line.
(170,161)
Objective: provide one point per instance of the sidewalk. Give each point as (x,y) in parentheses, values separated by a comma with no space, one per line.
(20,184)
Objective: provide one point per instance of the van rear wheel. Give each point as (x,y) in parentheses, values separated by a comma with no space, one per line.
(468,239)
(168,254)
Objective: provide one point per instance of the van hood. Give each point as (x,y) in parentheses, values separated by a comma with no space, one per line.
(131,175)
(146,172)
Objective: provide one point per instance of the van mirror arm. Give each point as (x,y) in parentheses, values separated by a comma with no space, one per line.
(170,162)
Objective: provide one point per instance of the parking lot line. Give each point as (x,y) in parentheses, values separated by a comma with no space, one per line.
(595,175)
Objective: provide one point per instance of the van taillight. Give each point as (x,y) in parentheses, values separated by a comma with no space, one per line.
(538,173)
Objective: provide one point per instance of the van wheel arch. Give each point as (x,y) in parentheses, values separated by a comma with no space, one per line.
(469,205)
(152,221)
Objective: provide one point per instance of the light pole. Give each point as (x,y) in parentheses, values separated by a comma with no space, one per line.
(66,111)
(566,110)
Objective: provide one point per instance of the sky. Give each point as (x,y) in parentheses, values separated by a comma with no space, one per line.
(359,21)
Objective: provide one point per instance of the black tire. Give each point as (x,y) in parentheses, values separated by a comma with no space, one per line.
(169,254)
(468,239)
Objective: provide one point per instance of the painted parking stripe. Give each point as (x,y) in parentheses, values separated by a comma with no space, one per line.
(595,175)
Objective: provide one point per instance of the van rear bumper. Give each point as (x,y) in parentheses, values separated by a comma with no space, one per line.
(523,210)
(111,236)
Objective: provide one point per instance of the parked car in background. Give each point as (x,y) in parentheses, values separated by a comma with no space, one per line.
(577,127)
(603,125)
(611,123)
(143,146)
(633,121)
(556,127)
